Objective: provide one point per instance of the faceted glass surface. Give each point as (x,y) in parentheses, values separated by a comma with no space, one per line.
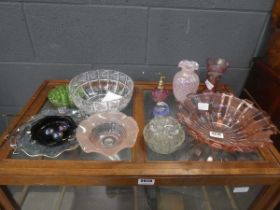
(164,135)
(226,122)
(101,90)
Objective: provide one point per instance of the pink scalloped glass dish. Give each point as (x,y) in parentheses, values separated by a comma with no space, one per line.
(225,122)
(107,133)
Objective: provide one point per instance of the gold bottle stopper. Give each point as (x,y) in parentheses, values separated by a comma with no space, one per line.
(161,82)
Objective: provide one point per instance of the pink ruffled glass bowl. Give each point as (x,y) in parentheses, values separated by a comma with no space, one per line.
(107,133)
(225,122)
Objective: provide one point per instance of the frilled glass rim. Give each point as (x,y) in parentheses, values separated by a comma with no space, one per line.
(255,123)
(20,138)
(84,129)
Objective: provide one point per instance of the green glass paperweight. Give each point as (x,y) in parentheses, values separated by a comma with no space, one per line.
(59,96)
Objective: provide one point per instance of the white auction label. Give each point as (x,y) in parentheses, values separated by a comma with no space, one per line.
(240,189)
(216,134)
(203,106)
(146,181)
(209,85)
(110,96)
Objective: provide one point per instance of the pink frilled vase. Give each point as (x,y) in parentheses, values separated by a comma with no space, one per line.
(185,81)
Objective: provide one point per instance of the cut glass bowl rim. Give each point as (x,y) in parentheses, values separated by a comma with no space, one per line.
(85,127)
(245,110)
(77,101)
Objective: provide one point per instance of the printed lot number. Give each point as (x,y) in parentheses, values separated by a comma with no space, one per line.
(146,181)
(203,106)
(218,135)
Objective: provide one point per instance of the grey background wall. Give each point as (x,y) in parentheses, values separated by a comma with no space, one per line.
(57,39)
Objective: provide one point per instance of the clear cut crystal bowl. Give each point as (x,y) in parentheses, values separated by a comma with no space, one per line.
(225,122)
(101,91)
(107,133)
(164,134)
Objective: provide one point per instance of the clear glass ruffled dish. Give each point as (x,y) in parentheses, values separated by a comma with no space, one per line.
(226,122)
(47,134)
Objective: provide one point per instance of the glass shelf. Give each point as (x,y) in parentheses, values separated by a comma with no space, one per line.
(191,150)
(132,198)
(214,172)
(78,154)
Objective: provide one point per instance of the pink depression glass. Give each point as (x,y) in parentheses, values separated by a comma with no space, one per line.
(225,122)
(185,81)
(107,133)
(215,69)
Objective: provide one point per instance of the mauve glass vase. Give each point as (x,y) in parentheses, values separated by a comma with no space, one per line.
(215,69)
(185,81)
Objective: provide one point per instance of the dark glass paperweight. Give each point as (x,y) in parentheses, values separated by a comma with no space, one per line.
(48,134)
(53,130)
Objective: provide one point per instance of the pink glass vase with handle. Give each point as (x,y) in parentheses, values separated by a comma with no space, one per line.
(185,81)
(216,67)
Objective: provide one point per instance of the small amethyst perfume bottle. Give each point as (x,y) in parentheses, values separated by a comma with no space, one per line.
(160,93)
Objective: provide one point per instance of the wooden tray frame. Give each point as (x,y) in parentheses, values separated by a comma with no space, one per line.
(166,173)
